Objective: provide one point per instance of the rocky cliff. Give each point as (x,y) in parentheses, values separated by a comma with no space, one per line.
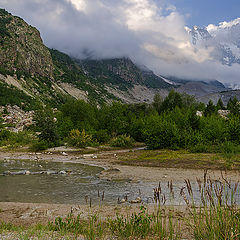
(22,48)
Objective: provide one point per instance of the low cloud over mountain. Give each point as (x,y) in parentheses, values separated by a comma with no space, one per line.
(149,33)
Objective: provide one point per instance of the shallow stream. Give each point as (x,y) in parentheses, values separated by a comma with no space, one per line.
(83,183)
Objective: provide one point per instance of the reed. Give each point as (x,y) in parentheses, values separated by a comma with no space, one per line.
(217,217)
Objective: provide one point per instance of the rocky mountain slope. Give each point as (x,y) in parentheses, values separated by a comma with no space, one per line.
(31,73)
(22,48)
(122,72)
(30,69)
(203,91)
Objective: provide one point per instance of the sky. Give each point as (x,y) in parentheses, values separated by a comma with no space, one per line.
(150,32)
(204,12)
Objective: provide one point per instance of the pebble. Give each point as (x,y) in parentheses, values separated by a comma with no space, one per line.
(137,200)
(64,154)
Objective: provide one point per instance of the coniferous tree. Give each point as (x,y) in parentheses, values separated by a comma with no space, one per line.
(234,106)
(220,105)
(210,109)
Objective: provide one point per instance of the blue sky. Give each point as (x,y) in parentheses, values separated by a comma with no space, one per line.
(204,12)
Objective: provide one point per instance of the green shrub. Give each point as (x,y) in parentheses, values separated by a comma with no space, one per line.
(101,136)
(4,134)
(122,141)
(39,146)
(80,139)
(213,129)
(12,139)
(228,150)
(233,129)
(46,125)
(201,148)
(160,133)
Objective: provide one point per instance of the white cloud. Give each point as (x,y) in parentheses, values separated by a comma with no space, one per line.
(80,5)
(140,29)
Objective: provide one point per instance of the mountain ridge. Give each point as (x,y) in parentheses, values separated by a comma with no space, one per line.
(51,77)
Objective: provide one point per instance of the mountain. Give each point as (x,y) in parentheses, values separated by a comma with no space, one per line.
(17,38)
(46,75)
(224,95)
(197,88)
(122,72)
(223,40)
(31,73)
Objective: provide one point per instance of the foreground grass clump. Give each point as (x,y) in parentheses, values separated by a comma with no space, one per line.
(145,226)
(91,229)
(8,227)
(218,216)
(137,226)
(219,222)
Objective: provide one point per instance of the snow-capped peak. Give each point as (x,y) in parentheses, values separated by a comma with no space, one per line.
(223,26)
(224,39)
(195,28)
(229,24)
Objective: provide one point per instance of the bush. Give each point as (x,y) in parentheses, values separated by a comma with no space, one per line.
(101,136)
(45,123)
(80,139)
(39,146)
(230,147)
(4,134)
(122,141)
(233,129)
(213,129)
(12,139)
(201,148)
(160,133)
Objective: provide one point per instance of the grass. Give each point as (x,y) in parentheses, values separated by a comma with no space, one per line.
(141,225)
(181,159)
(218,216)
(219,222)
(8,227)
